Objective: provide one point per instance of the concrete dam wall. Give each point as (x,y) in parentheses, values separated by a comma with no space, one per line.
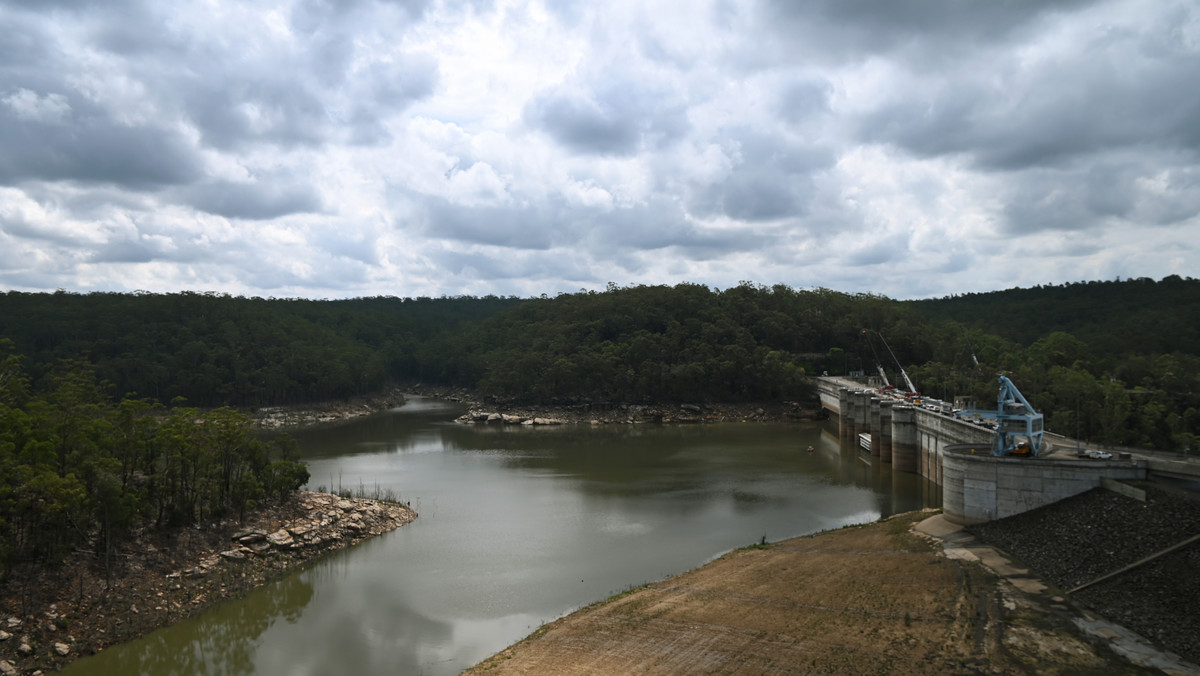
(957,454)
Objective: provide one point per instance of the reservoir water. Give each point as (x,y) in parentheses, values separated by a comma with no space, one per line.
(517,526)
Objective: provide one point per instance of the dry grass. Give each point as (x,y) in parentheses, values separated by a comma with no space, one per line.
(863,600)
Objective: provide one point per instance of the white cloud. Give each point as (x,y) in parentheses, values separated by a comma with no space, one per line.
(32,107)
(530,146)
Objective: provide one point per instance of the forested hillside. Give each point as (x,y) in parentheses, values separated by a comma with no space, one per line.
(80,470)
(214,349)
(1113,318)
(1116,361)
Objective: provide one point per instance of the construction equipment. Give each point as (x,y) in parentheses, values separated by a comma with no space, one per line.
(912,390)
(878,366)
(970,349)
(1019,428)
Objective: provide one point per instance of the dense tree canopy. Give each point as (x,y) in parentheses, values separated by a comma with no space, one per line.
(1113,361)
(78,470)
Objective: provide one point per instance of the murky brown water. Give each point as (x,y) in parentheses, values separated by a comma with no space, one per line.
(517,527)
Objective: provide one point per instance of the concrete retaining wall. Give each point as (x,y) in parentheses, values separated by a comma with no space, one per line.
(979,487)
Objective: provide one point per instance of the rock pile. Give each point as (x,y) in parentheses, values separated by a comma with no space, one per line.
(1080,539)
(288,417)
(327,522)
(478,416)
(166,577)
(603,413)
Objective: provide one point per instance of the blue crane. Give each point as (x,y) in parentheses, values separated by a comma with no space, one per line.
(1019,428)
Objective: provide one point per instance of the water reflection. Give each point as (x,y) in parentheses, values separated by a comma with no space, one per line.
(518,526)
(221,641)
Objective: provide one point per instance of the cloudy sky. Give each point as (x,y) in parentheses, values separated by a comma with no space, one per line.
(336,148)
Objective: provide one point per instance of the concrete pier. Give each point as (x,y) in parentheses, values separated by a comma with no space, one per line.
(862,412)
(875,424)
(885,431)
(905,454)
(845,415)
(956,456)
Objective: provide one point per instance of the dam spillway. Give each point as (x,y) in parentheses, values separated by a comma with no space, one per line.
(977,486)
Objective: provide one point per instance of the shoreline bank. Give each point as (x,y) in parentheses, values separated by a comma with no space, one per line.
(877,598)
(51,618)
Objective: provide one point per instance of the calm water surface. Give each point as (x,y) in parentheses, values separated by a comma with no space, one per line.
(518,526)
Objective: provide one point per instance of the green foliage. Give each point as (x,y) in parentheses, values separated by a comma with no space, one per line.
(1115,361)
(78,471)
(214,349)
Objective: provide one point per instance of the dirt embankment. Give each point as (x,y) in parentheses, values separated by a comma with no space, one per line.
(51,617)
(875,599)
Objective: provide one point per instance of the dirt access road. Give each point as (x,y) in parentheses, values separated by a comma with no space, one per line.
(874,599)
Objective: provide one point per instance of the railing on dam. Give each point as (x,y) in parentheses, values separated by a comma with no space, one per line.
(909,436)
(976,485)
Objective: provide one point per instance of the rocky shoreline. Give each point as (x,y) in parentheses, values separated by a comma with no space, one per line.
(491,410)
(51,618)
(292,417)
(483,409)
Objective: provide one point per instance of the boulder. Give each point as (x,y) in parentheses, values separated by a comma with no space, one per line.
(233,555)
(7,668)
(249,537)
(62,649)
(281,538)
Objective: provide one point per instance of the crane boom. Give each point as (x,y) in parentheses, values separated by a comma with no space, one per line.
(904,374)
(878,366)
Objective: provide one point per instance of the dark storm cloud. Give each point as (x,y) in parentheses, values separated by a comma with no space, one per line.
(924,30)
(129,250)
(619,118)
(244,146)
(1068,111)
(92,149)
(773,178)
(512,227)
(802,99)
(1141,189)
(602,234)
(259,200)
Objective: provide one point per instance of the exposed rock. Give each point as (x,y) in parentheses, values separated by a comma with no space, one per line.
(249,537)
(601,413)
(62,648)
(281,538)
(7,668)
(233,555)
(1075,541)
(181,573)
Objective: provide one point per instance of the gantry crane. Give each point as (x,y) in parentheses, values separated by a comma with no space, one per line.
(1019,428)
